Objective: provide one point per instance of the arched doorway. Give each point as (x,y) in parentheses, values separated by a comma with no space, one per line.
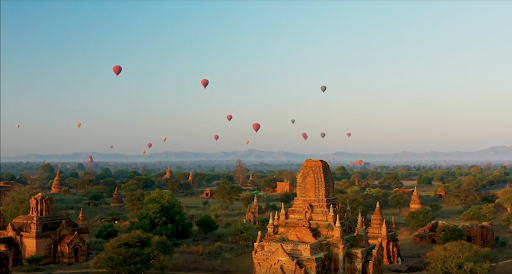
(469,239)
(76,254)
(440,196)
(433,241)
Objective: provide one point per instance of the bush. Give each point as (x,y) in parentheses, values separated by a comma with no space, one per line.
(107,231)
(418,219)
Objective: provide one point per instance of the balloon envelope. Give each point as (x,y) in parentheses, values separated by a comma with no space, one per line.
(322,135)
(78,124)
(246,142)
(117,69)
(164,139)
(205,82)
(111,147)
(323,88)
(216,137)
(349,134)
(293,121)
(256,127)
(305,136)
(143,152)
(150,145)
(229,117)
(18,126)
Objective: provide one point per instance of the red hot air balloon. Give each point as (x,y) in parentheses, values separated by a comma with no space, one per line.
(111,147)
(150,145)
(205,83)
(256,127)
(349,134)
(117,69)
(216,137)
(229,117)
(305,136)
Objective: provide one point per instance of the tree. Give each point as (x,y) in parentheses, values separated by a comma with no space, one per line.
(134,253)
(392,180)
(241,233)
(33,261)
(341,173)
(480,213)
(226,192)
(505,196)
(45,173)
(240,172)
(435,208)
(207,224)
(17,203)
(418,218)
(461,258)
(448,233)
(246,198)
(475,170)
(423,179)
(107,231)
(287,197)
(135,201)
(398,199)
(466,195)
(162,215)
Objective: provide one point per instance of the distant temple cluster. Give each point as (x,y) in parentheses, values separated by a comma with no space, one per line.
(316,235)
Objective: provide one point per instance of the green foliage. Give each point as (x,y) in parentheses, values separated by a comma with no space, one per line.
(34,259)
(134,201)
(107,231)
(133,253)
(287,197)
(242,233)
(480,213)
(207,224)
(423,179)
(447,233)
(65,191)
(96,197)
(226,192)
(246,198)
(341,173)
(398,199)
(162,215)
(17,203)
(461,258)
(418,218)
(391,180)
(505,196)
(436,207)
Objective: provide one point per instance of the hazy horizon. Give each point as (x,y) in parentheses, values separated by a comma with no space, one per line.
(401,76)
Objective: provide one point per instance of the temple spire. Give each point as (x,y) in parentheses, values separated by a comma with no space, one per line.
(270,221)
(331,212)
(359,220)
(338,220)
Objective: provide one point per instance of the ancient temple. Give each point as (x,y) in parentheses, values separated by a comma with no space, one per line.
(286,186)
(378,231)
(90,160)
(56,238)
(253,212)
(192,181)
(250,183)
(415,203)
(117,200)
(311,237)
(56,185)
(168,174)
(207,193)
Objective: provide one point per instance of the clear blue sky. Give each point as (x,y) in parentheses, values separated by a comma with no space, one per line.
(405,75)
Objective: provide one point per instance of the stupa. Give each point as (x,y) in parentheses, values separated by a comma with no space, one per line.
(168,174)
(56,186)
(90,160)
(415,203)
(117,200)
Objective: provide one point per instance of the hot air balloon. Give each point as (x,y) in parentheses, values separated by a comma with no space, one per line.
(205,83)
(229,117)
(216,137)
(60,164)
(323,88)
(78,124)
(293,121)
(158,163)
(150,145)
(256,127)
(188,163)
(164,139)
(18,126)
(143,152)
(305,136)
(246,142)
(117,69)
(349,134)
(111,147)
(322,135)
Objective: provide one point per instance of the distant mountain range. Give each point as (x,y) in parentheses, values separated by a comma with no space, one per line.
(493,154)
